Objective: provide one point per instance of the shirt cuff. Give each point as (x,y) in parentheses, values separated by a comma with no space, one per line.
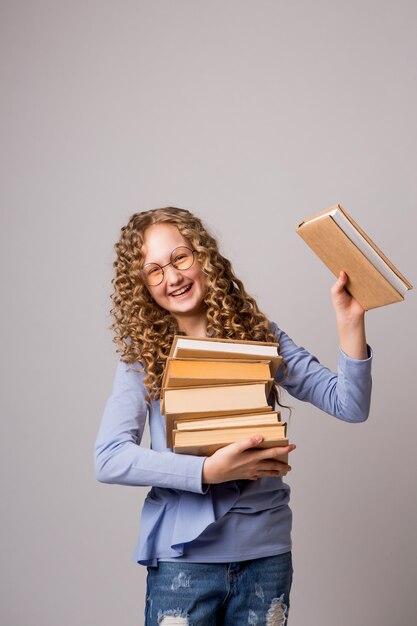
(190,470)
(345,357)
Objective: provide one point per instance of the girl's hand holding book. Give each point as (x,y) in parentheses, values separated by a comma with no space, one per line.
(240,461)
(350,318)
(347,309)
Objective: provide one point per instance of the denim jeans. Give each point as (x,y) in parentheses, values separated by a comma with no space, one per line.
(252,592)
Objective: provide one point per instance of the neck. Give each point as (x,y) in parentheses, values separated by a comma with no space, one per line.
(194,327)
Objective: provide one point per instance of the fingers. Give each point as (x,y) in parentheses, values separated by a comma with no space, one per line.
(280,469)
(250,442)
(269,467)
(339,285)
(276,452)
(273,466)
(264,453)
(260,462)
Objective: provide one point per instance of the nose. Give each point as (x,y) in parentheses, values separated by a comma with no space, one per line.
(173,276)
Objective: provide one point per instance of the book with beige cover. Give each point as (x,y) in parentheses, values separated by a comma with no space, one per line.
(342,245)
(193,372)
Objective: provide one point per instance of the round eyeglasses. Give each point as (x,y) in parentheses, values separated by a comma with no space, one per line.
(182,258)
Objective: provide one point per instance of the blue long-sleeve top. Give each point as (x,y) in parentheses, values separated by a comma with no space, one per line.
(183,519)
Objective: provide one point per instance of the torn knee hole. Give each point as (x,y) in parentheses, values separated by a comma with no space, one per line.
(277,613)
(173,618)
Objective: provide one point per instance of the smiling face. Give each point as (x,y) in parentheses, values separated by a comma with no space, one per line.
(182,291)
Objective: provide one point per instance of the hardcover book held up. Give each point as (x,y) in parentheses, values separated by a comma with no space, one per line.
(215,392)
(342,245)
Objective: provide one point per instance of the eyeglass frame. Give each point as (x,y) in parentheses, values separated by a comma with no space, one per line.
(166,265)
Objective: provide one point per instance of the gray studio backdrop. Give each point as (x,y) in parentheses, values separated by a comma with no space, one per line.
(253,115)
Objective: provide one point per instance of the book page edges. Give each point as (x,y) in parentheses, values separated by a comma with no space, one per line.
(375,247)
(269,418)
(218,340)
(229,434)
(208,388)
(209,449)
(181,383)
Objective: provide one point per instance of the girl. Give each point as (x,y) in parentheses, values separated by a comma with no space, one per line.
(215,531)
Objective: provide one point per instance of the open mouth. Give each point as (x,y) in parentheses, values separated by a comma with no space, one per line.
(182,291)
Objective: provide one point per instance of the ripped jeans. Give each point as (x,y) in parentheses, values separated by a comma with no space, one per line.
(252,592)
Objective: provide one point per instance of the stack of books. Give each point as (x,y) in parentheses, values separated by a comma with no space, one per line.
(215,392)
(342,245)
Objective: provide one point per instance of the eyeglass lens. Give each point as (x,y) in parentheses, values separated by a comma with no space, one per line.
(182,258)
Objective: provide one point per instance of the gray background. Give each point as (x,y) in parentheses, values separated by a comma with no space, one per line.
(254,115)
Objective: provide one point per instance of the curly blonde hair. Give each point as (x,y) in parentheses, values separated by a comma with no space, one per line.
(144,331)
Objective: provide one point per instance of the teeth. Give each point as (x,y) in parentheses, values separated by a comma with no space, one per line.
(181,291)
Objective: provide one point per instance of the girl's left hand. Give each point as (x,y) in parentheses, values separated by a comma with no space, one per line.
(347,309)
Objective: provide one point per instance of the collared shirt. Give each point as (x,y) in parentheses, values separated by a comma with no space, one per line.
(182,519)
